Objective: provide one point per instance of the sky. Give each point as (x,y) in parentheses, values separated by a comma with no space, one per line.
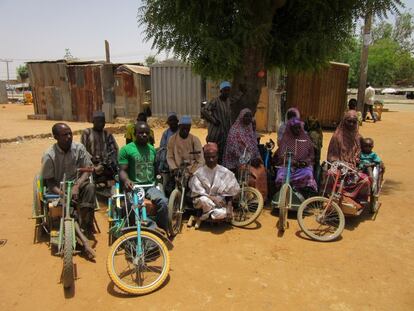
(33,30)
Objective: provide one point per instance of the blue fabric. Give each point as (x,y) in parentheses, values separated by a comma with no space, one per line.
(368,158)
(165,137)
(224,84)
(161,202)
(185,120)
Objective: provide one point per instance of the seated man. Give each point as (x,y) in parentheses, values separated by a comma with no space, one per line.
(183,146)
(65,157)
(137,166)
(213,186)
(102,147)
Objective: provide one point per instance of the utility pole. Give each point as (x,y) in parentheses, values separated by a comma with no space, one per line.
(7,61)
(108,57)
(363,69)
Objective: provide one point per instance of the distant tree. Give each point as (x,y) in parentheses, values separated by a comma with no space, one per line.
(350,54)
(403,31)
(68,55)
(22,72)
(149,60)
(238,39)
(382,60)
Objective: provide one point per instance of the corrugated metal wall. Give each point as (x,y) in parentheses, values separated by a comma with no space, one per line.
(3,93)
(50,89)
(175,88)
(130,93)
(86,90)
(320,94)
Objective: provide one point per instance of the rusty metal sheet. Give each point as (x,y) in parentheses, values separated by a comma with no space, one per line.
(320,94)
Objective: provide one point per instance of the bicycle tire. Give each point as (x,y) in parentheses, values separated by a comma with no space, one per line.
(175,217)
(37,205)
(68,271)
(127,242)
(305,216)
(284,203)
(254,200)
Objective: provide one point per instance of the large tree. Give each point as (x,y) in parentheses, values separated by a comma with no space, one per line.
(237,39)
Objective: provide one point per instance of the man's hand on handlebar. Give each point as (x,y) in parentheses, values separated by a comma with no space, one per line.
(129,185)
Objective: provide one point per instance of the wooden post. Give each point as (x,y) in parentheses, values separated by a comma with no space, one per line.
(108,57)
(363,69)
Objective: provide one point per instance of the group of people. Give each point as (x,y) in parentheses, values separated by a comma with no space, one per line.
(213,166)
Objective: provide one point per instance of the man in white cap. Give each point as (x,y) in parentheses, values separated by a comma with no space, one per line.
(183,146)
(219,117)
(102,147)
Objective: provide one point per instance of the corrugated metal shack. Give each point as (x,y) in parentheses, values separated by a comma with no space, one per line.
(50,89)
(131,84)
(74,90)
(174,87)
(3,93)
(320,94)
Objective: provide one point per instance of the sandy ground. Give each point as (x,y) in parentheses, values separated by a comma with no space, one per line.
(370,268)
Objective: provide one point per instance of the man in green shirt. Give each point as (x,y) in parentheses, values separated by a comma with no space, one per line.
(137,166)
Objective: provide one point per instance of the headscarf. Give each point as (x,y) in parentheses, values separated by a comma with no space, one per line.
(301,145)
(345,145)
(292,109)
(282,126)
(240,137)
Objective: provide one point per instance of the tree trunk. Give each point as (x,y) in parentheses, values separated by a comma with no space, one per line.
(251,78)
(248,81)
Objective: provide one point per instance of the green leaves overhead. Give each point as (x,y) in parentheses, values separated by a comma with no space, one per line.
(213,35)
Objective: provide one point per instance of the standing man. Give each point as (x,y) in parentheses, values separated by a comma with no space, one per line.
(130,129)
(369,102)
(218,115)
(102,146)
(65,157)
(172,122)
(184,146)
(137,166)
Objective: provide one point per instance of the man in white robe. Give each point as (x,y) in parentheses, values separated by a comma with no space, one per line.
(213,186)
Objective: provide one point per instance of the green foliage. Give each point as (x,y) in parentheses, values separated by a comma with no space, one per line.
(149,60)
(350,54)
(22,72)
(215,36)
(381,62)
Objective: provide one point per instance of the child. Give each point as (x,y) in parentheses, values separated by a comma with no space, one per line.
(314,130)
(352,104)
(368,158)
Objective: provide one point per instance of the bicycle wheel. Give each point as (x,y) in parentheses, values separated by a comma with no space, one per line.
(138,274)
(284,204)
(67,274)
(175,216)
(247,208)
(320,221)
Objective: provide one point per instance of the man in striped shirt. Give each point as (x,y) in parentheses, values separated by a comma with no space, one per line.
(218,115)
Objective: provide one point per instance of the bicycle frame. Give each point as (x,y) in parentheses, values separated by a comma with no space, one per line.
(122,223)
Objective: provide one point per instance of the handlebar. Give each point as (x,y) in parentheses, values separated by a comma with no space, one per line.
(86,169)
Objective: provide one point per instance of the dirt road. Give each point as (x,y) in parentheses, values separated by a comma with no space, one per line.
(370,268)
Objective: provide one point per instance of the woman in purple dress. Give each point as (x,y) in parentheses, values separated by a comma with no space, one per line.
(297,141)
